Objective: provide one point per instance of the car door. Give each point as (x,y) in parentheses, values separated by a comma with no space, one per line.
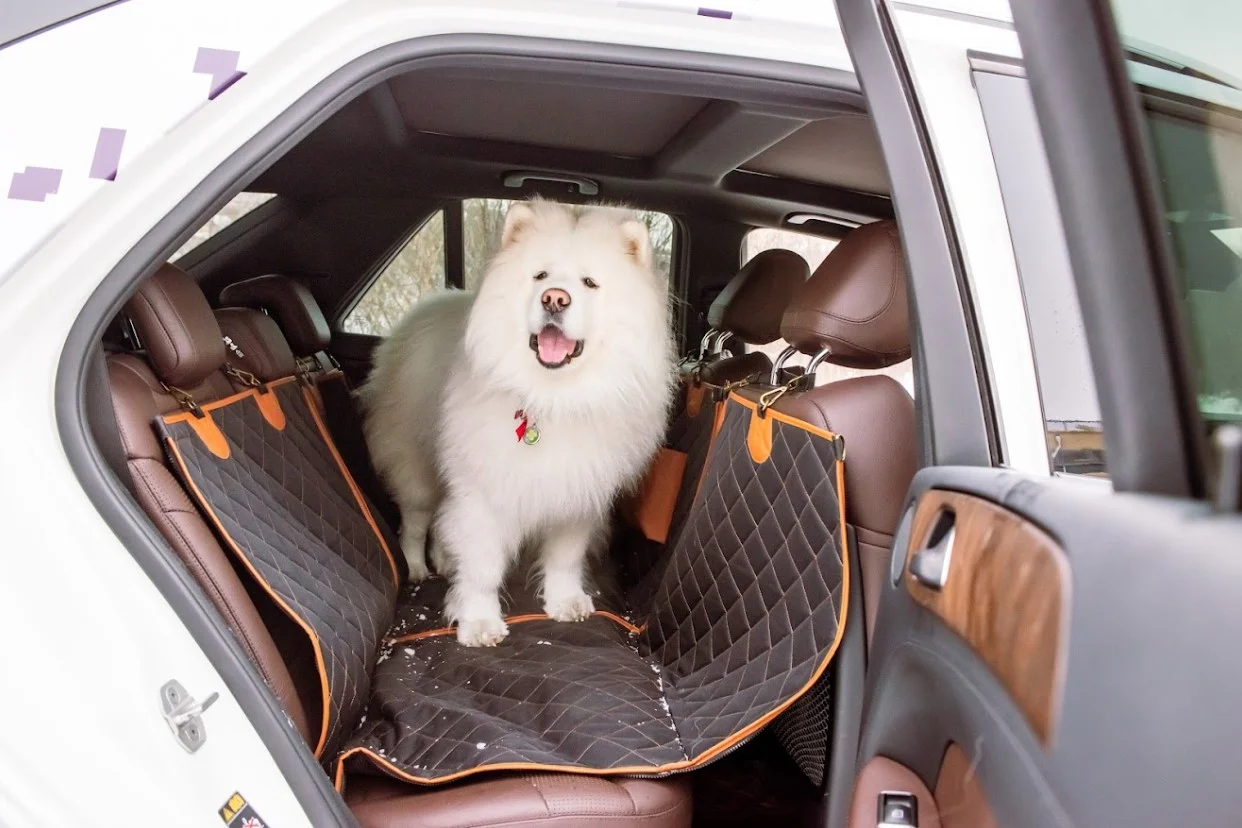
(1056,649)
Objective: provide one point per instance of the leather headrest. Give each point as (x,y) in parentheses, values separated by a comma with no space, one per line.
(176,327)
(751,305)
(855,303)
(292,305)
(254,343)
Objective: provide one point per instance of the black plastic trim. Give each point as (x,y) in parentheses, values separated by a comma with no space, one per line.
(454,246)
(954,396)
(123,515)
(1097,149)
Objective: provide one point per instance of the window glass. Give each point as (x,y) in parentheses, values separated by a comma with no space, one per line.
(1187,69)
(1071,411)
(483,219)
(240,205)
(814,249)
(416,269)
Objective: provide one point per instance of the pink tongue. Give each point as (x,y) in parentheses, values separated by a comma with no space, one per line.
(554,346)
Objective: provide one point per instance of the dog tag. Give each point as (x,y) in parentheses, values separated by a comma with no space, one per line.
(531,436)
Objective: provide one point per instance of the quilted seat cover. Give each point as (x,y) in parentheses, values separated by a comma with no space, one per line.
(746,618)
(282,500)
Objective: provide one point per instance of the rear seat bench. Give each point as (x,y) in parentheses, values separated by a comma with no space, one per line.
(183,346)
(307,335)
(759,577)
(748,310)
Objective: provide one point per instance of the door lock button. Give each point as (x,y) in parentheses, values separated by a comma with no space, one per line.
(897,809)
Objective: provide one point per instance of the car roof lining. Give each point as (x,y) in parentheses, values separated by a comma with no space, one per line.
(677,139)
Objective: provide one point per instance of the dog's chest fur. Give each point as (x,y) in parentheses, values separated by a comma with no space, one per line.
(574,471)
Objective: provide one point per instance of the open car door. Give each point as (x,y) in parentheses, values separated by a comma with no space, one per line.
(1053,650)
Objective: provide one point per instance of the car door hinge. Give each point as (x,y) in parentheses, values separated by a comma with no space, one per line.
(184,714)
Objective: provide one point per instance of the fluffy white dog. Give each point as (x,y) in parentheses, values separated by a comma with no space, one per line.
(512,418)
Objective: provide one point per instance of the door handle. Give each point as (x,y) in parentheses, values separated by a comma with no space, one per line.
(930,565)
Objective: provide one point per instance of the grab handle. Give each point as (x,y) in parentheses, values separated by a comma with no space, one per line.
(930,565)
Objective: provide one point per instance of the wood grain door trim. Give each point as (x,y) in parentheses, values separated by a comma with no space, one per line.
(1007,594)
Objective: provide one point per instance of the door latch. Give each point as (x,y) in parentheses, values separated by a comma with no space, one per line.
(184,714)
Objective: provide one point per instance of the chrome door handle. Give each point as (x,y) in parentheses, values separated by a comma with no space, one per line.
(930,565)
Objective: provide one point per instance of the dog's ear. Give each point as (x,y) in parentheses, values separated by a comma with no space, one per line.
(637,242)
(520,217)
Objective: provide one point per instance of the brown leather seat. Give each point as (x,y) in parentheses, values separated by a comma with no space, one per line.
(184,354)
(293,307)
(854,307)
(307,335)
(554,800)
(749,309)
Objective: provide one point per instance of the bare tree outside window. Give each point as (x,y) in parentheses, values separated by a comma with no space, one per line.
(416,270)
(419,268)
(240,205)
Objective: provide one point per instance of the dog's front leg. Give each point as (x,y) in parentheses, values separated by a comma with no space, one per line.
(480,553)
(563,556)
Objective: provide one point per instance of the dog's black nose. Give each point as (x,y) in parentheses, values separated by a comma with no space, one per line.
(555,300)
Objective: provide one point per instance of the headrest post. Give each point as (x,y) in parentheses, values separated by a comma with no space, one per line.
(775,377)
(809,373)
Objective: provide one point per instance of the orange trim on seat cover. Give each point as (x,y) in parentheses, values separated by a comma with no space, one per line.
(309,396)
(324,690)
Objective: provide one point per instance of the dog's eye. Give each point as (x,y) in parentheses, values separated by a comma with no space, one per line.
(541,275)
(589,282)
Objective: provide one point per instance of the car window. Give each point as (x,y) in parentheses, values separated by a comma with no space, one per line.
(814,249)
(1189,81)
(238,206)
(484,218)
(416,269)
(1071,411)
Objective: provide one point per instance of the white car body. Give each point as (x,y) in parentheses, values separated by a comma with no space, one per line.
(89,640)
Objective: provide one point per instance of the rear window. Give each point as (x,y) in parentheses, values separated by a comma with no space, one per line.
(814,249)
(484,218)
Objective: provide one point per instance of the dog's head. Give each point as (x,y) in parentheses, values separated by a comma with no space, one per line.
(570,305)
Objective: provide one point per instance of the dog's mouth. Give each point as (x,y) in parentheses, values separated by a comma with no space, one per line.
(553,349)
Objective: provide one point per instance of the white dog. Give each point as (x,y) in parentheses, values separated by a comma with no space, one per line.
(514,417)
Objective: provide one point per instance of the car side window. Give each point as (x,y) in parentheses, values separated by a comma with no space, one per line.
(238,206)
(1071,411)
(1189,83)
(814,249)
(415,270)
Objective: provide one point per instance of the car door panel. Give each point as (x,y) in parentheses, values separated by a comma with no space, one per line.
(1122,722)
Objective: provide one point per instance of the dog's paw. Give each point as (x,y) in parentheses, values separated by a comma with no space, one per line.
(573,607)
(482,632)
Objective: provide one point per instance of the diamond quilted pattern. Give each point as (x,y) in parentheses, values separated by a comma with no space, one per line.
(748,605)
(745,618)
(284,501)
(565,695)
(647,560)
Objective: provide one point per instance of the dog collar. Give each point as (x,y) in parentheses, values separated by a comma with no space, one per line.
(527,432)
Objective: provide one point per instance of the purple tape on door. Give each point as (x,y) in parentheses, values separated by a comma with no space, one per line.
(221,64)
(107,153)
(35,184)
(717,13)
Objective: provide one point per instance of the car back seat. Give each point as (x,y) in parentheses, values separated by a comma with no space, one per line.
(748,310)
(306,330)
(184,353)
